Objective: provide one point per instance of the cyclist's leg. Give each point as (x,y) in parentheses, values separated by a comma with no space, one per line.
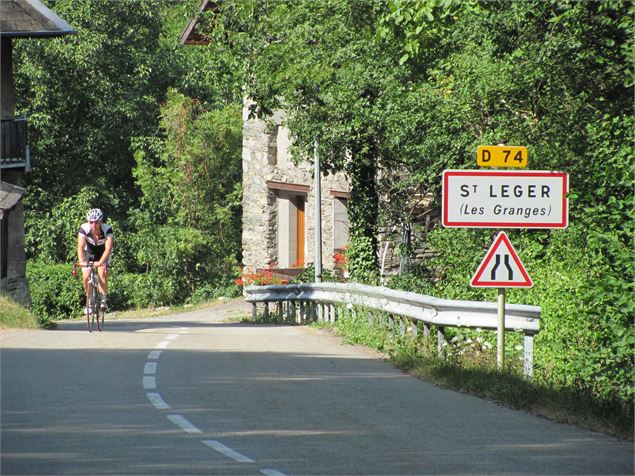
(102,273)
(86,277)
(103,279)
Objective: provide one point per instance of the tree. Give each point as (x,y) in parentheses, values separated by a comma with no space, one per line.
(188,223)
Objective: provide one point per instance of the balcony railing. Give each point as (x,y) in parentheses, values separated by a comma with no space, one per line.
(14,148)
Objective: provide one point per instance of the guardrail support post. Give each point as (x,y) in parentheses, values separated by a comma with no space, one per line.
(529,355)
(440,340)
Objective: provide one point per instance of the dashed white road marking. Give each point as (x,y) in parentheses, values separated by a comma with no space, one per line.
(227,451)
(183,423)
(271,472)
(150,368)
(157,401)
(150,383)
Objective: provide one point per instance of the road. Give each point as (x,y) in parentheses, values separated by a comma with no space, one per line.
(189,394)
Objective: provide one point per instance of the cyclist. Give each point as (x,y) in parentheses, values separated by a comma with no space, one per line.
(94,243)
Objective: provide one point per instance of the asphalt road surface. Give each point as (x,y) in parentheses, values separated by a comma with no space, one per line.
(191,394)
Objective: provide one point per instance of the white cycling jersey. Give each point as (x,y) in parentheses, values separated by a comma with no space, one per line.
(95,246)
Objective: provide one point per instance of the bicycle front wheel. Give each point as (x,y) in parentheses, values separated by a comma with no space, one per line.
(93,308)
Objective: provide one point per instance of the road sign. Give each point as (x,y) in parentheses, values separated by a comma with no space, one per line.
(501,156)
(501,267)
(505,199)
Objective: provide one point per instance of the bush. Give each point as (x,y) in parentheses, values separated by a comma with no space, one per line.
(208,292)
(55,292)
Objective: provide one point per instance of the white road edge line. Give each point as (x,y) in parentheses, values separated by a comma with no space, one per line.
(182,423)
(149,383)
(271,472)
(157,401)
(221,448)
(154,355)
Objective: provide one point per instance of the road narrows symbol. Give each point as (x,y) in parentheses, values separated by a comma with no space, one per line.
(501,267)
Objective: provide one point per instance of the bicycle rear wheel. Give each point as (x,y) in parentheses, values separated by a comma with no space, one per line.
(99,312)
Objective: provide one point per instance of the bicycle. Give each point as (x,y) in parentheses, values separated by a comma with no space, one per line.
(95,314)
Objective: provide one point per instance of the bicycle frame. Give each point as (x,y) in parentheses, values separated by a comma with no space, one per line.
(95,315)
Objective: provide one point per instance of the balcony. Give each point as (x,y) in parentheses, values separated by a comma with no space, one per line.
(14,149)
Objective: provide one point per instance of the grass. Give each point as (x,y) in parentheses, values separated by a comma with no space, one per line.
(477,375)
(14,316)
(511,389)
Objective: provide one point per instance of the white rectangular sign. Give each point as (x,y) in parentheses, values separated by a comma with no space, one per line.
(505,199)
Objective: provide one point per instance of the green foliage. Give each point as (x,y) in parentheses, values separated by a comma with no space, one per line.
(55,292)
(207,293)
(362,261)
(586,337)
(190,202)
(52,235)
(87,94)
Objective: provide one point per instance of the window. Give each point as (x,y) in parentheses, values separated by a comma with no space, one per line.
(340,223)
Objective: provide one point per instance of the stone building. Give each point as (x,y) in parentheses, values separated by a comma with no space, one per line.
(279,202)
(19,19)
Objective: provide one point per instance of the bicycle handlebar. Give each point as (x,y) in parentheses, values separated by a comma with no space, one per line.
(91,264)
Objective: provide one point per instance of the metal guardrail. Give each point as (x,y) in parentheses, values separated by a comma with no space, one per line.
(305,302)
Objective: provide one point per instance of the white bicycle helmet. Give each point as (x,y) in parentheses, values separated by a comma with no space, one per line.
(94,215)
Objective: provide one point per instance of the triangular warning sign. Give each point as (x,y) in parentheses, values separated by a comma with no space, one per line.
(501,267)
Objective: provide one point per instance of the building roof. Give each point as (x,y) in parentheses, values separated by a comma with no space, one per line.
(30,19)
(190,35)
(10,195)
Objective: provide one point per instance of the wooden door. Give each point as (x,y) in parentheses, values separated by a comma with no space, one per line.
(299,250)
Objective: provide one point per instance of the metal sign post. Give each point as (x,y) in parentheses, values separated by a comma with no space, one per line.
(500,334)
(501,268)
(318,213)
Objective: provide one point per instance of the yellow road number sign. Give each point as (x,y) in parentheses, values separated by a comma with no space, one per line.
(501,156)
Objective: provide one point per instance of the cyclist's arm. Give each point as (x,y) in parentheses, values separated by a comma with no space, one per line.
(81,247)
(107,251)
